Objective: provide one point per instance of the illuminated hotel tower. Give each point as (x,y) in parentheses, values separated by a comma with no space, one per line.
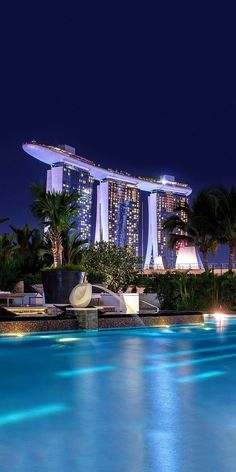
(161,205)
(66,177)
(118,200)
(118,209)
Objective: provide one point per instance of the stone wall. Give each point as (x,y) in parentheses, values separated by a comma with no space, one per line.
(112,321)
(47,323)
(29,326)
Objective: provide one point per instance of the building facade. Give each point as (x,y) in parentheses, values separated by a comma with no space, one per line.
(64,177)
(118,214)
(161,205)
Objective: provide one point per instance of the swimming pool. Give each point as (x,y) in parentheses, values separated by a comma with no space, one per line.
(134,400)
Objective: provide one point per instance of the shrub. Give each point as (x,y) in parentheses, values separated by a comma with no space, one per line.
(205,292)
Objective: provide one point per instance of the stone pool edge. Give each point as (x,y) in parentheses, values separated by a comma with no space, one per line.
(59,323)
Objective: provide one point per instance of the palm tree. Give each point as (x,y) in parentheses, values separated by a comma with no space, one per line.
(7,248)
(73,248)
(28,243)
(55,210)
(196,225)
(8,273)
(24,236)
(2,220)
(226,215)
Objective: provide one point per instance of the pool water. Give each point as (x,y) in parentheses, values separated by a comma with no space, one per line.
(132,400)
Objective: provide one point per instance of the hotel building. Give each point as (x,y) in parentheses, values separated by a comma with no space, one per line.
(119,219)
(161,205)
(118,214)
(65,177)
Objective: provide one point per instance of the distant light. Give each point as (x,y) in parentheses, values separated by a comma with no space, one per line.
(164,181)
(219,316)
(67,340)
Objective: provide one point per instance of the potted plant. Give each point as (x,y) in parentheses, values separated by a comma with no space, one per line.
(56,211)
(58,282)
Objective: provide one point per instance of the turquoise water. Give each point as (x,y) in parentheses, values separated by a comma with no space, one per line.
(121,400)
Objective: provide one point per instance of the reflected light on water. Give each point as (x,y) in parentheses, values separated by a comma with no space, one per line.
(202,376)
(221,321)
(16,335)
(85,371)
(169,365)
(31,413)
(187,352)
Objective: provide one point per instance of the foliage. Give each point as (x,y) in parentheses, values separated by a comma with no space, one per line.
(183,291)
(226,219)
(55,211)
(117,264)
(70,267)
(196,225)
(9,275)
(73,248)
(28,244)
(95,277)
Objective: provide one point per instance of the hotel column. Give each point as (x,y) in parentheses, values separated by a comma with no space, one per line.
(152,247)
(101,231)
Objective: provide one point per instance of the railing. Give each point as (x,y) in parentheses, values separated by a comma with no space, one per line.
(150,304)
(211,265)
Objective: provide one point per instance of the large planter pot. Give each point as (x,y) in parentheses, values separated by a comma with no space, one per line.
(58,284)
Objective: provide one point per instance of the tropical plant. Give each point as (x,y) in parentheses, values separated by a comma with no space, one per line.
(195,225)
(226,219)
(73,248)
(7,247)
(28,244)
(182,291)
(9,275)
(2,220)
(116,265)
(55,211)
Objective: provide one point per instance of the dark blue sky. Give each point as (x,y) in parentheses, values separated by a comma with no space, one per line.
(149,87)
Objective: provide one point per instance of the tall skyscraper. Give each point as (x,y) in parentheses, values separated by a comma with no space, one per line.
(118,214)
(119,195)
(64,177)
(161,205)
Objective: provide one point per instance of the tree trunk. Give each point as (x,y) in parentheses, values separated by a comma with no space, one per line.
(57,250)
(231,257)
(205,260)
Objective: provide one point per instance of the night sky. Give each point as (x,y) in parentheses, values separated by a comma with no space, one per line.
(148,87)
